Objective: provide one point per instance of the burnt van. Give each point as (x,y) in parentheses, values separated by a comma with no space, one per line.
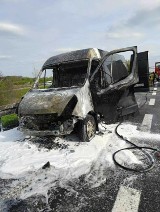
(86,86)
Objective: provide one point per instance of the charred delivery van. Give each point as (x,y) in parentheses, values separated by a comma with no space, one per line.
(75,90)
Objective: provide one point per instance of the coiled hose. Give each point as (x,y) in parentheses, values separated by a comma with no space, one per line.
(134,146)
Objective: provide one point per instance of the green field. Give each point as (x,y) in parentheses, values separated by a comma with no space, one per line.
(12,88)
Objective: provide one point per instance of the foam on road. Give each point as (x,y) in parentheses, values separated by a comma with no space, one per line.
(21,158)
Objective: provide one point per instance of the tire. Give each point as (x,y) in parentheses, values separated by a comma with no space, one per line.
(87,128)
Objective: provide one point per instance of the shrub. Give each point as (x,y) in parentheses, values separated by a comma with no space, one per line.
(9,121)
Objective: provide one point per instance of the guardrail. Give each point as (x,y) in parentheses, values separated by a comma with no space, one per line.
(8,109)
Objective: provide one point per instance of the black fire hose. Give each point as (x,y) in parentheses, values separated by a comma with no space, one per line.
(134,146)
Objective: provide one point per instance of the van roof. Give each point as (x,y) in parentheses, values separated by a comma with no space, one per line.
(75,55)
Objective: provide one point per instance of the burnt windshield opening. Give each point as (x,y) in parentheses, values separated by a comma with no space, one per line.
(64,75)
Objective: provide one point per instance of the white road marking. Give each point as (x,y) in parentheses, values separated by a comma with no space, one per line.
(152,102)
(154,93)
(147,122)
(155,89)
(127,200)
(155,85)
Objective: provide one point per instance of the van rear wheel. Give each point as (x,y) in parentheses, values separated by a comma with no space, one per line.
(87,128)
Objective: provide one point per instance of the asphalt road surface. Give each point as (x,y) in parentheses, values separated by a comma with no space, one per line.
(122,191)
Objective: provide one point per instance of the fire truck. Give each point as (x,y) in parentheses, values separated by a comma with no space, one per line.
(157,70)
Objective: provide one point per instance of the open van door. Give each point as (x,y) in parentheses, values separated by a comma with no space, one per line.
(143,72)
(112,84)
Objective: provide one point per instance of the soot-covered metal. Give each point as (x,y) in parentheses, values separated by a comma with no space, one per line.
(84,86)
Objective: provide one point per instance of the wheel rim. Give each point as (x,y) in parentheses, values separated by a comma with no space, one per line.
(90,129)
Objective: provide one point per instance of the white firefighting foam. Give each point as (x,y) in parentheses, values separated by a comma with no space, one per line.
(21,158)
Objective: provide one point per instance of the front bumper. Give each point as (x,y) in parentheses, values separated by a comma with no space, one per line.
(44,125)
(43,132)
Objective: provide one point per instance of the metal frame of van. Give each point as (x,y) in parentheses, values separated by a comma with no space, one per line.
(58,111)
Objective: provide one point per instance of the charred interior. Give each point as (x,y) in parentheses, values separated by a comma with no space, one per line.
(67,74)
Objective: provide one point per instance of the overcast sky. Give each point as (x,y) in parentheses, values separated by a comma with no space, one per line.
(33,30)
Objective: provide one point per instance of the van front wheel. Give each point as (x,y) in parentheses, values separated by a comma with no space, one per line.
(87,128)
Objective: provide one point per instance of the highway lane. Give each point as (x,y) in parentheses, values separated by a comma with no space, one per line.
(123,190)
